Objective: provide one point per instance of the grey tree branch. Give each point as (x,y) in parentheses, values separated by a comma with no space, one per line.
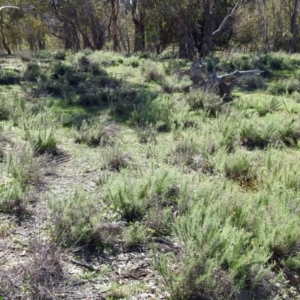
(229,78)
(9,6)
(227,17)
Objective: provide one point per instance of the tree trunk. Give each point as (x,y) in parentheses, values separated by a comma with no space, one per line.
(139,31)
(208,27)
(266,28)
(3,37)
(187,48)
(98,33)
(294,28)
(114,18)
(138,17)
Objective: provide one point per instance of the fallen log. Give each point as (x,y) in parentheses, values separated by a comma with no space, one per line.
(222,85)
(227,82)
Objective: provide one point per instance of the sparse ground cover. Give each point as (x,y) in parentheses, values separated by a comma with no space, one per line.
(120,180)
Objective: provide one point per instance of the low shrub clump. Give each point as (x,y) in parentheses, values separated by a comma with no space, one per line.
(97,134)
(74,221)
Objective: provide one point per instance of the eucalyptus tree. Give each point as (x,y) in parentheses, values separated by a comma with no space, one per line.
(77,23)
(139,10)
(197,25)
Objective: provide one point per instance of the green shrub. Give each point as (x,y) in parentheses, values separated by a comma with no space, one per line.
(6,109)
(105,59)
(115,160)
(32,72)
(43,141)
(91,98)
(60,55)
(253,83)
(76,219)
(133,197)
(19,171)
(42,54)
(135,235)
(132,61)
(229,128)
(24,167)
(146,134)
(152,72)
(223,242)
(184,152)
(274,62)
(175,84)
(9,76)
(274,130)
(97,134)
(210,246)
(161,112)
(60,69)
(206,100)
(13,197)
(172,67)
(237,166)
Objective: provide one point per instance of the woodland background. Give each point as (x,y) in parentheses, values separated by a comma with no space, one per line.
(190,26)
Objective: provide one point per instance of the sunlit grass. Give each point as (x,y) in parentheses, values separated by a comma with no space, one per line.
(221,180)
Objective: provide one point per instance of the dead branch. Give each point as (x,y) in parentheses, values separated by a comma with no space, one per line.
(222,85)
(227,17)
(226,82)
(85,265)
(9,6)
(229,78)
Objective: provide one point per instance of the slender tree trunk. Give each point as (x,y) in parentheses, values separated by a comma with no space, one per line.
(138,17)
(186,42)
(274,25)
(209,26)
(3,37)
(98,34)
(139,31)
(114,18)
(266,28)
(294,28)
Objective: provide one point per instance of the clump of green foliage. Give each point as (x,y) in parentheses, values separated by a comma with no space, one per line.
(97,133)
(9,76)
(76,220)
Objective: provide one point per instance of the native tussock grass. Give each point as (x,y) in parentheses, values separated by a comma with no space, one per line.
(219,180)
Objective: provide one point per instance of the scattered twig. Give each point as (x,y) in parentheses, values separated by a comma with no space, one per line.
(85,265)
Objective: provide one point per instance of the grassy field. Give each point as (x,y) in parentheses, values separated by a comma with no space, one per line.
(120,180)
